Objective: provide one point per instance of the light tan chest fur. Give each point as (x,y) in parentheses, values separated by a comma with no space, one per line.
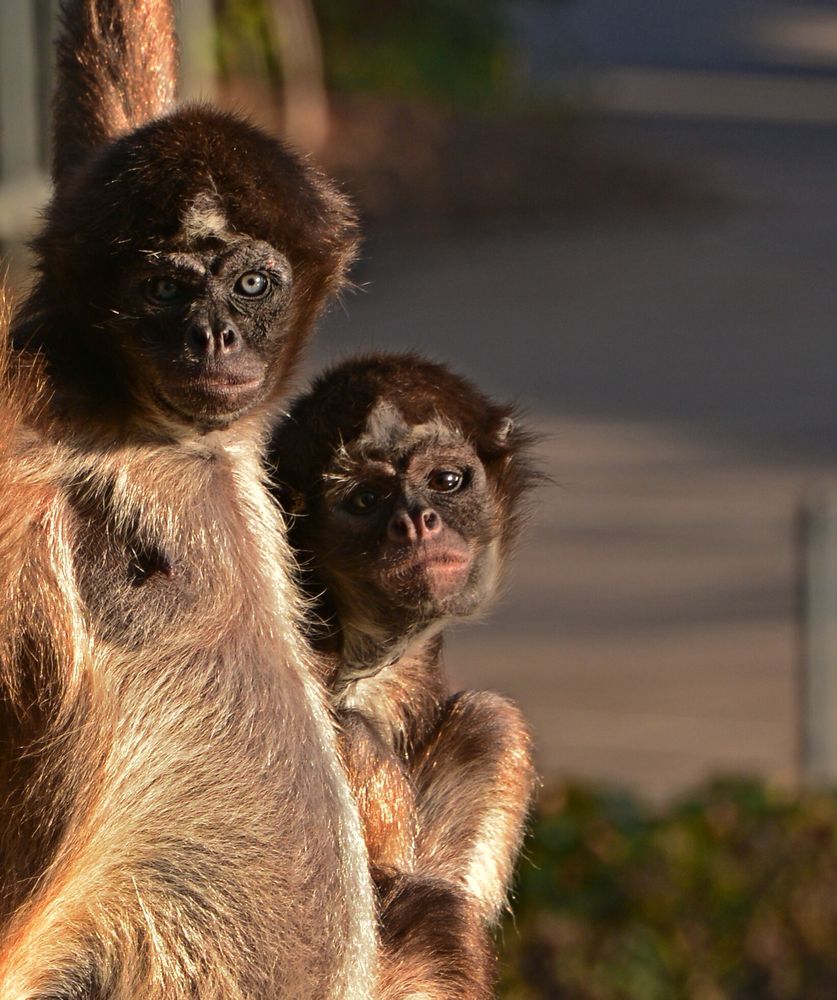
(217,795)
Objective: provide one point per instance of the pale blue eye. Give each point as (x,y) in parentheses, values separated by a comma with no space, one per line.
(253,284)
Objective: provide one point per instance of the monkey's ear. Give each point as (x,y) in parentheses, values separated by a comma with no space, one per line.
(504,431)
(500,440)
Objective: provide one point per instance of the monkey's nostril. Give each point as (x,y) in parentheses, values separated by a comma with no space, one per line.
(208,341)
(228,340)
(401,528)
(428,523)
(200,337)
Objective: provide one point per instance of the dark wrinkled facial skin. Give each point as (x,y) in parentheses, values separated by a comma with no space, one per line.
(203,327)
(411,528)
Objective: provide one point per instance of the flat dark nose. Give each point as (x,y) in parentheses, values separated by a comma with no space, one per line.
(210,341)
(415,526)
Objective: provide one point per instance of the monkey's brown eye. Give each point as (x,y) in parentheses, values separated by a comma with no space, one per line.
(362,500)
(163,290)
(253,284)
(445,481)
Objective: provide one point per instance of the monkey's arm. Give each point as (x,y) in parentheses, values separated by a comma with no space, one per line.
(433,939)
(117,65)
(474,781)
(382,790)
(28,486)
(434,944)
(442,845)
(39,629)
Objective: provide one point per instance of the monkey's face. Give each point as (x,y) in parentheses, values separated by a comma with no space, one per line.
(407,524)
(169,261)
(206,328)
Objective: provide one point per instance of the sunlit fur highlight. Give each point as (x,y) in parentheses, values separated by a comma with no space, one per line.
(117,71)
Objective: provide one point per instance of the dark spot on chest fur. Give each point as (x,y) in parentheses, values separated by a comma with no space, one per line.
(133,588)
(146,562)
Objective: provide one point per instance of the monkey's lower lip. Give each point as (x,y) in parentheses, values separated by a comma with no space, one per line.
(224,391)
(447,574)
(452,563)
(442,573)
(442,562)
(228,386)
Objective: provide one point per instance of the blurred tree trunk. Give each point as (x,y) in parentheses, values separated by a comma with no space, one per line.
(300,51)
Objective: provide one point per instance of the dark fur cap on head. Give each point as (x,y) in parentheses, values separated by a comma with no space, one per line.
(336,409)
(131,197)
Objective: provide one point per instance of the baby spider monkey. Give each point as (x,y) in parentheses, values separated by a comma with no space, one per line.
(405,486)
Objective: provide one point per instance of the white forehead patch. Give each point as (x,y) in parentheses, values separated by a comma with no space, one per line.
(204,218)
(386,429)
(388,433)
(387,436)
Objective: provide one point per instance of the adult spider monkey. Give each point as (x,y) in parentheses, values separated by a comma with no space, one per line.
(405,486)
(176,821)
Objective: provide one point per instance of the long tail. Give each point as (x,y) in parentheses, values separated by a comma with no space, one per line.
(117,69)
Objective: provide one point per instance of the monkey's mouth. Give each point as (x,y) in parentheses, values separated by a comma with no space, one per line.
(213,401)
(226,387)
(428,574)
(221,393)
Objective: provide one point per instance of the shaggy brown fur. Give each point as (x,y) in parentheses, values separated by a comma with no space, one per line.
(176,821)
(409,484)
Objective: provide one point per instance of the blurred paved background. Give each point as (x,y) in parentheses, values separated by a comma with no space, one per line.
(637,240)
(683,372)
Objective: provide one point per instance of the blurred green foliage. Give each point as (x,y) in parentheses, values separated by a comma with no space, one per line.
(455,52)
(731,895)
(245,44)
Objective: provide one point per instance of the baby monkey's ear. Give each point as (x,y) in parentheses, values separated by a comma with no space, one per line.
(498,439)
(504,431)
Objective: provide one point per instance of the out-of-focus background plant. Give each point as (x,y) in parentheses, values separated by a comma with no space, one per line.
(450,53)
(730,893)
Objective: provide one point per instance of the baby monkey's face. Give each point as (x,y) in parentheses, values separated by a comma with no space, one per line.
(408,517)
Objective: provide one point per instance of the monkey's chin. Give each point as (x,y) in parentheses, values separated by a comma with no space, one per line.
(445,578)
